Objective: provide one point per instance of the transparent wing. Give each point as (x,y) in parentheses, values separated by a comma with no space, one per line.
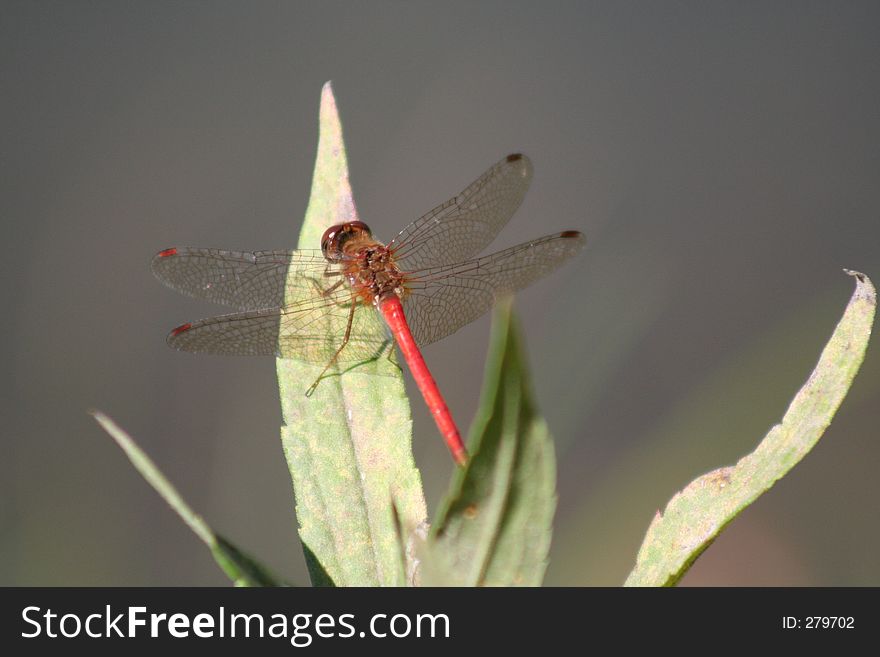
(247,280)
(311,331)
(466,224)
(443,299)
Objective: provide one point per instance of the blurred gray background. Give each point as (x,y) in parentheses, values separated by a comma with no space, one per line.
(722,158)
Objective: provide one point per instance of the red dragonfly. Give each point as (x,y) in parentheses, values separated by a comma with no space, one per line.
(426,283)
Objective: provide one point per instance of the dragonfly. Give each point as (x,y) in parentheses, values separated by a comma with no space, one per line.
(426,283)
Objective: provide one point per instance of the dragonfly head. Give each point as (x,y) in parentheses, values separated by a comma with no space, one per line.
(337,239)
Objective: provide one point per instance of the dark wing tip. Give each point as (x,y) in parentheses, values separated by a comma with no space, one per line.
(574,240)
(518,163)
(160,262)
(177,331)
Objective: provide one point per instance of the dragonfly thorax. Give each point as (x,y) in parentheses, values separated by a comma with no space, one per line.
(368,264)
(373,274)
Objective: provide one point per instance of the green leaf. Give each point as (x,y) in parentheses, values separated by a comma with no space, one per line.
(697,514)
(348,446)
(238,566)
(494,526)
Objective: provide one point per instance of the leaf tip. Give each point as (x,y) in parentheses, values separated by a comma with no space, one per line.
(864,287)
(328,98)
(108,425)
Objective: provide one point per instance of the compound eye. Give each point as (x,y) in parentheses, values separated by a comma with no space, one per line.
(358,227)
(334,238)
(330,241)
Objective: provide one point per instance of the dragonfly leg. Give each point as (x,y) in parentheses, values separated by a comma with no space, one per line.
(390,356)
(338,351)
(326,292)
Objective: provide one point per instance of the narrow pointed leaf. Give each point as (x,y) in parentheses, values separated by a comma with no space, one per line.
(242,569)
(348,446)
(696,515)
(494,526)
